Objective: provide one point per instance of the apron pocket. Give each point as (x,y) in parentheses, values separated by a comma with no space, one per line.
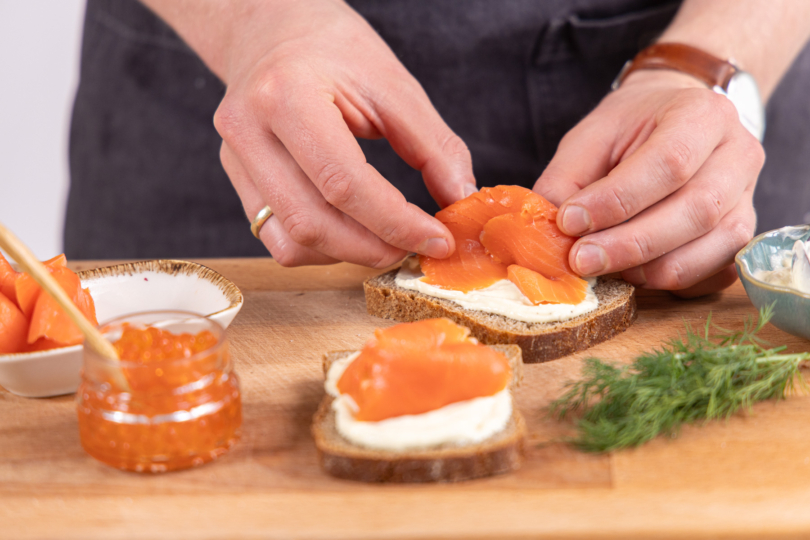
(624,34)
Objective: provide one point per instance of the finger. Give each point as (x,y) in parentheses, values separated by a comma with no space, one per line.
(284,249)
(312,130)
(685,136)
(357,116)
(305,216)
(418,134)
(721,280)
(706,256)
(688,214)
(583,156)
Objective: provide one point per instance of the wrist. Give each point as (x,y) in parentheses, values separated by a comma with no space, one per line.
(204,25)
(217,30)
(761,37)
(258,27)
(706,70)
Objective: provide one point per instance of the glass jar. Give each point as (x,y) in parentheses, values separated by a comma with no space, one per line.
(153,414)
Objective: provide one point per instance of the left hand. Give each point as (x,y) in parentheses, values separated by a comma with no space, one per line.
(659,182)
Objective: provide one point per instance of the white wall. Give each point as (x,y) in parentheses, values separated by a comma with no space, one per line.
(39,60)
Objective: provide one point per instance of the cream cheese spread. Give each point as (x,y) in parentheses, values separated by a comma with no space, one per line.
(791,268)
(461,423)
(501,298)
(781,275)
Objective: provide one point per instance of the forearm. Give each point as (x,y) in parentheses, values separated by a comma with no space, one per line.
(219,29)
(205,25)
(763,37)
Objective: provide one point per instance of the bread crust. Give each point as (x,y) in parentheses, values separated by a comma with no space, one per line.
(540,342)
(501,453)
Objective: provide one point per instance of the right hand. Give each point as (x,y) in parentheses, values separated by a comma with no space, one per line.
(303,80)
(658,180)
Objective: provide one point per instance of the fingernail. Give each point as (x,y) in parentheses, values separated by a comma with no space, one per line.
(591,259)
(434,247)
(575,220)
(469,189)
(635,276)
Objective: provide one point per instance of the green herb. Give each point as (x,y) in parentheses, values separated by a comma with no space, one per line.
(701,377)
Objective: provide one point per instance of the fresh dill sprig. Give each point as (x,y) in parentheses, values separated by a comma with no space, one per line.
(701,377)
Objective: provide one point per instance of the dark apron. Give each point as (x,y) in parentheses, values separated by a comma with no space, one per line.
(508,76)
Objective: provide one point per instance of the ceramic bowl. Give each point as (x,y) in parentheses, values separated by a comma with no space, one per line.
(791,308)
(119,290)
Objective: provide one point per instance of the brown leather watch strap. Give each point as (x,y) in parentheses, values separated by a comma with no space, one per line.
(684,58)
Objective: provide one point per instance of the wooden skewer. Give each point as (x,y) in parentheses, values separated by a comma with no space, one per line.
(28,262)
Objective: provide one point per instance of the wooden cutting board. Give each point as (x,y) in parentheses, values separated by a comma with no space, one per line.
(746,477)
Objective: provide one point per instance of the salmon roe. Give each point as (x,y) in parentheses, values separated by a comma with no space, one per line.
(182,407)
(153,344)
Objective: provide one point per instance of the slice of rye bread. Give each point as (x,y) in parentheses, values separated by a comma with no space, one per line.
(540,342)
(501,453)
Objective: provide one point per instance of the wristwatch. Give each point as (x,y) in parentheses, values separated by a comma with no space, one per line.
(722,76)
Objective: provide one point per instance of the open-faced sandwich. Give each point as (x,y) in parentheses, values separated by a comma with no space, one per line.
(509,280)
(421,402)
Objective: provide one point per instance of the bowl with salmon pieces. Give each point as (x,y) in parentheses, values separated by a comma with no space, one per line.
(118,290)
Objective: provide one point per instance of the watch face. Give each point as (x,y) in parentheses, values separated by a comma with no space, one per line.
(744,94)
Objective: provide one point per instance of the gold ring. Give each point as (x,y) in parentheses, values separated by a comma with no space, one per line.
(263,215)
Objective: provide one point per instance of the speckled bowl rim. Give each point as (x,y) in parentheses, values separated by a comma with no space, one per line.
(745,274)
(166,266)
(172,267)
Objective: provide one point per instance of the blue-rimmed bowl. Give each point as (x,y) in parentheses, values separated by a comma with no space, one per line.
(792,308)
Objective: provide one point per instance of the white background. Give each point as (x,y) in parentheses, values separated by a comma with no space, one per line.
(39,65)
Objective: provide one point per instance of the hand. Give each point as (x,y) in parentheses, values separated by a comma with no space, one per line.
(304,79)
(658,180)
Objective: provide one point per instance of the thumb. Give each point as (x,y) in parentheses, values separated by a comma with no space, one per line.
(583,156)
(418,134)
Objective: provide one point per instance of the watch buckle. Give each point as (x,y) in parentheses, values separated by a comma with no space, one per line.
(617,82)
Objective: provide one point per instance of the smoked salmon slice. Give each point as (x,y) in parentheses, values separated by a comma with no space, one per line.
(469,268)
(26,289)
(42,344)
(8,277)
(426,334)
(493,229)
(49,321)
(530,240)
(414,368)
(56,262)
(13,327)
(565,289)
(472,213)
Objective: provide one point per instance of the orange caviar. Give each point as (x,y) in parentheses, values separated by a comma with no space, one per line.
(153,344)
(181,407)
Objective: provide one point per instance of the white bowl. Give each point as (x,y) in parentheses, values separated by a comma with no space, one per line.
(119,290)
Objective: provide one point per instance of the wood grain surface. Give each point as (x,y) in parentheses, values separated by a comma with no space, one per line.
(748,477)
